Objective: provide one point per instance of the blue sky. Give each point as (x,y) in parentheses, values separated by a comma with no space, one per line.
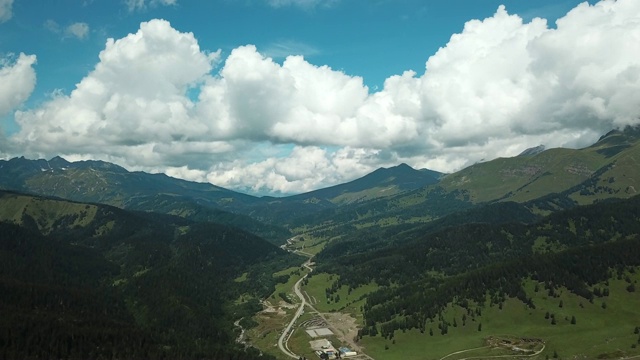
(236,111)
(370,38)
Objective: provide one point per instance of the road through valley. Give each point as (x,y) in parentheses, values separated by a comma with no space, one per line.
(284,337)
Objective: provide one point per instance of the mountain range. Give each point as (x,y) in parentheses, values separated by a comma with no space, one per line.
(106,183)
(606,169)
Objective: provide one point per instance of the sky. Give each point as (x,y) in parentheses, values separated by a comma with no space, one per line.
(278,97)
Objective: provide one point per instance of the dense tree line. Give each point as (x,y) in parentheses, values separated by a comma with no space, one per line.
(168,204)
(376,238)
(433,201)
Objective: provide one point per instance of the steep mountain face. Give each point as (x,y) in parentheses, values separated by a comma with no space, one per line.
(533,151)
(139,285)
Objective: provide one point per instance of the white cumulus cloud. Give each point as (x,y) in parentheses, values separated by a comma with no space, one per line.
(79,30)
(134,5)
(304,169)
(133,97)
(501,85)
(257,98)
(17,80)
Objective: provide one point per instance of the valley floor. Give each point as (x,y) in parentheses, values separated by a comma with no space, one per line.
(603,328)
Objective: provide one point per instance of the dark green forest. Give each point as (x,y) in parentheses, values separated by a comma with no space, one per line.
(153,287)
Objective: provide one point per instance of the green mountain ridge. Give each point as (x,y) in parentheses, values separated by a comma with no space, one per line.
(521,178)
(101,182)
(382,182)
(610,165)
(545,182)
(106,183)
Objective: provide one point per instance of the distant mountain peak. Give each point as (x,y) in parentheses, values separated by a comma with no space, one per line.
(610,133)
(398,169)
(619,137)
(58,162)
(381,182)
(533,151)
(98,165)
(402,166)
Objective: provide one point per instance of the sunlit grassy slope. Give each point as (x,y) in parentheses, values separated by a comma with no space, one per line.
(609,168)
(47,214)
(600,331)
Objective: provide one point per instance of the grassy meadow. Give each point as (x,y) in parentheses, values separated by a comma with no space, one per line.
(600,331)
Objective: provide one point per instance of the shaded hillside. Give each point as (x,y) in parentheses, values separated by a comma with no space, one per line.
(123,284)
(186,208)
(55,302)
(388,237)
(457,249)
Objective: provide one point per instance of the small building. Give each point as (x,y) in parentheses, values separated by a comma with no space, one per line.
(324,349)
(346,352)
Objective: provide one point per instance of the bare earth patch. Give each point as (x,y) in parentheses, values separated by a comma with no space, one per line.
(344,327)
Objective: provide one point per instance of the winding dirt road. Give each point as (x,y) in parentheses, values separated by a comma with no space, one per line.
(492,356)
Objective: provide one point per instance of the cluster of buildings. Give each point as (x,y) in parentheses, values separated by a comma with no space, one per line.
(325,350)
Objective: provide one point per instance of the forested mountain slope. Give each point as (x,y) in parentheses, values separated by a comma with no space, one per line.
(573,249)
(92,281)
